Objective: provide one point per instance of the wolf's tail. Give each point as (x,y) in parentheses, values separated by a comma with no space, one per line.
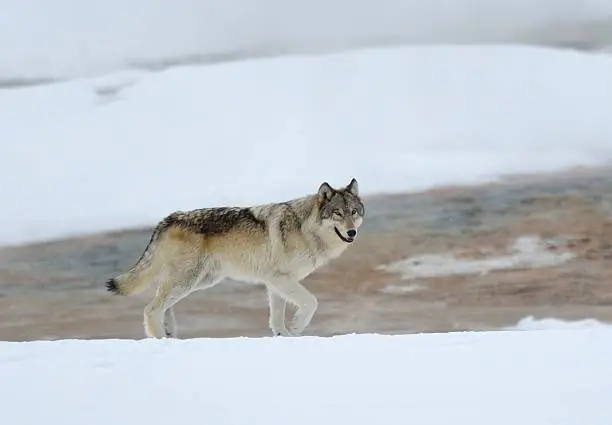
(138,277)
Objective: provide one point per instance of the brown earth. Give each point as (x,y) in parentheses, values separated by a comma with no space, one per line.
(56,290)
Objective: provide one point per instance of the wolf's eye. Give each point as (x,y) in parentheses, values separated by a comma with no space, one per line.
(354,211)
(337,212)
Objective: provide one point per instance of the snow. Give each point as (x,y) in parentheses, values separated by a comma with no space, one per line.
(530,323)
(394,289)
(120,146)
(126,149)
(506,378)
(68,38)
(525,252)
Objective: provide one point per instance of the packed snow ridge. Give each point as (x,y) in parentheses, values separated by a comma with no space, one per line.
(506,378)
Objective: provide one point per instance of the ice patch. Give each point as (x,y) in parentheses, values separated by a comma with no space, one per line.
(525,252)
(400,289)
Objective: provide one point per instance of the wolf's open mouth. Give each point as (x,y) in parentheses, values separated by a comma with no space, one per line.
(346,239)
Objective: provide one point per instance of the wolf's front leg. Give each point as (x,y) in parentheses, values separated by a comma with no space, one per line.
(170,323)
(277,306)
(293,292)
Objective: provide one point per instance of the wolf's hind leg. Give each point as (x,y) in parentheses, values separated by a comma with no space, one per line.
(154,313)
(306,303)
(199,281)
(178,292)
(159,318)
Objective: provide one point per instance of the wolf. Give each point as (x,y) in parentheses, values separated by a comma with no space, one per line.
(275,244)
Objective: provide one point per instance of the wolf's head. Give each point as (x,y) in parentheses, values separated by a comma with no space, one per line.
(341,210)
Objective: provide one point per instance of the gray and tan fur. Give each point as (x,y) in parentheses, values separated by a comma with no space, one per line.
(276,244)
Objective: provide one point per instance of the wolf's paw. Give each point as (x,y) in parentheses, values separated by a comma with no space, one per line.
(281,332)
(295,331)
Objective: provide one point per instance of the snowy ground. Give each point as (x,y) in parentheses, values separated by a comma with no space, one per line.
(507,378)
(530,323)
(68,38)
(126,149)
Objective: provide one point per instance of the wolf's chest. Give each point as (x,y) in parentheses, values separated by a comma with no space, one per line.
(305,265)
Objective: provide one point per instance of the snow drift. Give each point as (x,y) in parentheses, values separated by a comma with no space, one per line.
(506,378)
(124,150)
(530,323)
(68,38)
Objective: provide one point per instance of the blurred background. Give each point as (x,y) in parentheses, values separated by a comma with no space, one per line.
(480,132)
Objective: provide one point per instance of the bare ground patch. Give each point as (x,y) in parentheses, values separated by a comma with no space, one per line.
(56,289)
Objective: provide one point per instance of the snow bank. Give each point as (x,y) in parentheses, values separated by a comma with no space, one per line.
(530,323)
(66,38)
(126,149)
(506,378)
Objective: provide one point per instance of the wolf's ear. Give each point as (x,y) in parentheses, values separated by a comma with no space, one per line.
(325,191)
(353,187)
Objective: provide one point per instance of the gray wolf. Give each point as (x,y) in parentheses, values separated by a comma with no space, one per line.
(276,244)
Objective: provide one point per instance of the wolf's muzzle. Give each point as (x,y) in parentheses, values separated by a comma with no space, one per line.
(351,233)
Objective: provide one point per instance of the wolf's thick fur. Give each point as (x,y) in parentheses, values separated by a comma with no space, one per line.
(277,245)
